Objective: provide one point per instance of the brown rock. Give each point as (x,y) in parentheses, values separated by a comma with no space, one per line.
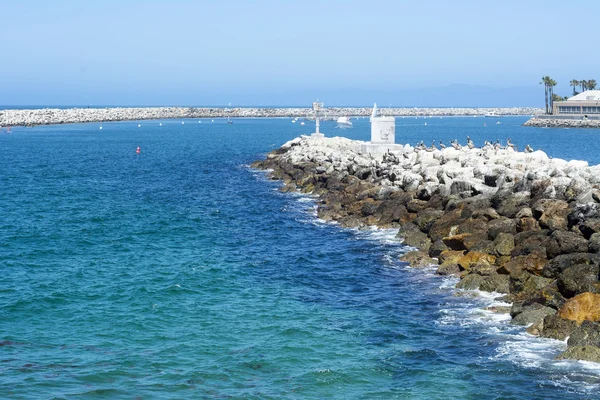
(551,213)
(414,206)
(443,226)
(504,244)
(583,307)
(436,248)
(426,218)
(526,224)
(585,353)
(474,257)
(532,263)
(557,328)
(448,269)
(456,242)
(563,242)
(417,259)
(503,225)
(450,257)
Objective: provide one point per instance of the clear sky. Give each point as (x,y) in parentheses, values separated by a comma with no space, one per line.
(267,52)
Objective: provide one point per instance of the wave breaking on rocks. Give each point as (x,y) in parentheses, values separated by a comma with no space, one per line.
(521,224)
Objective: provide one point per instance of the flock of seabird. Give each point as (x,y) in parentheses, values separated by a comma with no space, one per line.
(487,145)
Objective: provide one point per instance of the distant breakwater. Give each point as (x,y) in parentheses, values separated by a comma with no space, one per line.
(562,123)
(521,224)
(54,116)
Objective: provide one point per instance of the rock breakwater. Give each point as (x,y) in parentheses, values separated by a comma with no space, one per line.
(520,224)
(51,116)
(562,123)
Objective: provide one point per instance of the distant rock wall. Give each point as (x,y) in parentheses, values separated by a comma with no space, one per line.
(51,116)
(502,221)
(562,123)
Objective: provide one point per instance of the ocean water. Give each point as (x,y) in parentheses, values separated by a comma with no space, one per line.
(180,272)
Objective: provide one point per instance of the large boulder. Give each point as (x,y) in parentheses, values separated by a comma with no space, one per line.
(589,227)
(495,283)
(501,225)
(448,269)
(579,278)
(426,218)
(417,259)
(586,334)
(564,242)
(417,239)
(473,257)
(470,282)
(551,213)
(443,225)
(583,307)
(450,256)
(533,263)
(559,263)
(532,314)
(504,244)
(509,203)
(557,328)
(594,243)
(583,353)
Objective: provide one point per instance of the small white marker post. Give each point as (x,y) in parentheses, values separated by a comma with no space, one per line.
(317,107)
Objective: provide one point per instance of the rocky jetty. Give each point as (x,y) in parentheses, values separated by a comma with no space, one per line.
(520,224)
(52,116)
(562,123)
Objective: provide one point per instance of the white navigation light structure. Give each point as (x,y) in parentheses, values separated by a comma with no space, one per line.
(383,134)
(317,107)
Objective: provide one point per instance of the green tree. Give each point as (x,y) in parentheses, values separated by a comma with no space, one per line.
(545,81)
(574,83)
(591,84)
(583,84)
(551,84)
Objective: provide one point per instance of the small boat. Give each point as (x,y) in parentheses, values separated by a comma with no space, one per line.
(344,122)
(492,115)
(302,123)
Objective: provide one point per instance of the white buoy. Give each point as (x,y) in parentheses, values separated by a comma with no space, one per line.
(182,122)
(160,124)
(139,125)
(100,127)
(199,122)
(212,120)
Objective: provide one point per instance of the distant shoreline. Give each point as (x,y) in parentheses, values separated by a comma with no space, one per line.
(58,116)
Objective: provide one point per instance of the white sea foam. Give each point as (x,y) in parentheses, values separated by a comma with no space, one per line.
(514,344)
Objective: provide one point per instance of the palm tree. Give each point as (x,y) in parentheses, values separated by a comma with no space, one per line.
(545,80)
(583,84)
(551,84)
(574,83)
(591,84)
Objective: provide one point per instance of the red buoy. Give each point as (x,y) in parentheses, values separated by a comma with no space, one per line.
(137,151)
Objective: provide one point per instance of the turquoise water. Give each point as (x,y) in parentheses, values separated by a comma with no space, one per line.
(182,273)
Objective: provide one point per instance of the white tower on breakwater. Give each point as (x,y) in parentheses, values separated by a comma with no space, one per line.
(317,107)
(383,134)
(383,129)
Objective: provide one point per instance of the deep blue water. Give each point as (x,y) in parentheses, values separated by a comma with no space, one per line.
(182,273)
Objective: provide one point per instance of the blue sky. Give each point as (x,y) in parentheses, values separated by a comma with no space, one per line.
(405,53)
